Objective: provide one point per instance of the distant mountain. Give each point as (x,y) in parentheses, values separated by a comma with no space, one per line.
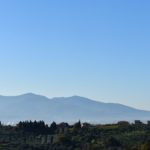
(65,109)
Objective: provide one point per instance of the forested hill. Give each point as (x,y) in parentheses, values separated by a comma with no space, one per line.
(80,136)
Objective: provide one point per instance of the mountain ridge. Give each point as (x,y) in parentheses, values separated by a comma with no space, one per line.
(32,106)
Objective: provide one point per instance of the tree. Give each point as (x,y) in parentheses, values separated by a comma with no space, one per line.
(53,127)
(77,125)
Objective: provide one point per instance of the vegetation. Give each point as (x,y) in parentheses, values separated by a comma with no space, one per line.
(35,135)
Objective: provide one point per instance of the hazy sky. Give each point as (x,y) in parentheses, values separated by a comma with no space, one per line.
(98,49)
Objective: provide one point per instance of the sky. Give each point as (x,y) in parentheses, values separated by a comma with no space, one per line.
(97,49)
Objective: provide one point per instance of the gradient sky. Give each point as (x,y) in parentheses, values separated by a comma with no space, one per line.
(97,49)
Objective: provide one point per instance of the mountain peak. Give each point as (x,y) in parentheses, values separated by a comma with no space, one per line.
(77,96)
(81,98)
(29,94)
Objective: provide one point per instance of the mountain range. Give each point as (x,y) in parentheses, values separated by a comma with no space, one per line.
(65,109)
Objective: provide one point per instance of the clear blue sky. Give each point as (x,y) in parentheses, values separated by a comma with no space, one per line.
(99,49)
